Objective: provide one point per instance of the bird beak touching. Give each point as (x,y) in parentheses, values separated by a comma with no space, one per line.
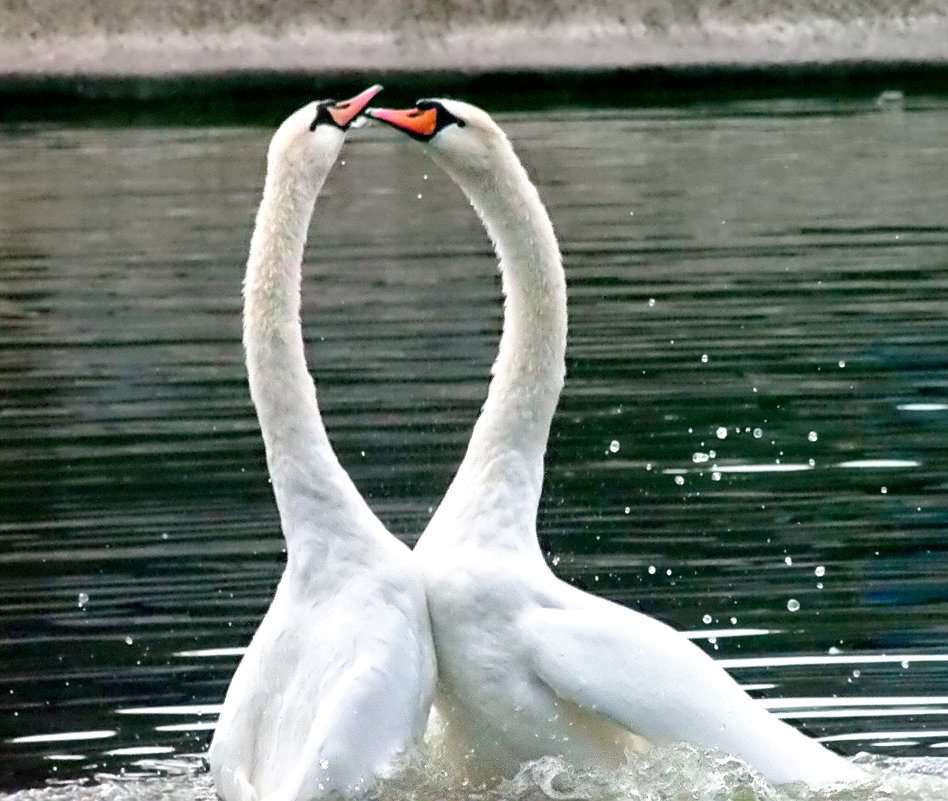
(345,111)
(412,121)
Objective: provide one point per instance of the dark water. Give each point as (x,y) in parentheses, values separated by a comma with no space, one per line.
(755,419)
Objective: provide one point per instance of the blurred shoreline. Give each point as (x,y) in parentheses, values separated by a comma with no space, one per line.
(175,37)
(263,97)
(166,58)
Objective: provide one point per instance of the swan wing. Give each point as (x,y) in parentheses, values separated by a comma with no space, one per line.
(632,670)
(651,680)
(369,718)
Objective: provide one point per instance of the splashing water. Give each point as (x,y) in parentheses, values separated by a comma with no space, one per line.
(669,773)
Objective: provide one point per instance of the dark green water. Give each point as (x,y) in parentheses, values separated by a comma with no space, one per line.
(755,419)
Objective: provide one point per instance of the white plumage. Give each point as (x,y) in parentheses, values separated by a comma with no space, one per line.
(528,665)
(336,684)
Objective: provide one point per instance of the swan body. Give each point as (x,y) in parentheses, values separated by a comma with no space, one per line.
(528,665)
(337,681)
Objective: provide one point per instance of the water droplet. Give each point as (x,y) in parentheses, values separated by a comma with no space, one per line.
(721,432)
(706,619)
(680,480)
(905,663)
(424,177)
(614,446)
(787,560)
(651,302)
(758,433)
(793,605)
(813,436)
(83,599)
(856,674)
(555,560)
(704,358)
(842,363)
(819,571)
(715,476)
(668,572)
(700,458)
(884,490)
(834,651)
(733,621)
(628,509)
(128,639)
(419,195)
(651,570)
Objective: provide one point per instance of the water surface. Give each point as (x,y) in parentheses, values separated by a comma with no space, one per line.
(752,444)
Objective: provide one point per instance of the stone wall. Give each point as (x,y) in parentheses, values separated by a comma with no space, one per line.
(142,37)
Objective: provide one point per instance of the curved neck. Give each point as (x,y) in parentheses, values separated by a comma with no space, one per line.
(304,470)
(508,443)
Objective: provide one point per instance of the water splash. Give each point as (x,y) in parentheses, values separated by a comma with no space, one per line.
(678,772)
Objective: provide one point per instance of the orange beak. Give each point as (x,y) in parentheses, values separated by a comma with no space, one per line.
(345,111)
(412,120)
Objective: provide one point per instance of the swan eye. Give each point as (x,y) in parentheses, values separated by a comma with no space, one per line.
(444,117)
(322,114)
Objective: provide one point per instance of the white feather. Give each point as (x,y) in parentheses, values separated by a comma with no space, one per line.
(529,666)
(337,682)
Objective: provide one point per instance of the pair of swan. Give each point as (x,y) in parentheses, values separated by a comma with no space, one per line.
(337,682)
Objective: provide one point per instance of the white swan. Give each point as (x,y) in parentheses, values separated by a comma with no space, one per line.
(338,679)
(528,665)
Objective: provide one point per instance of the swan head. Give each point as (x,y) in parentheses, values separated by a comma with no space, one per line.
(308,141)
(462,138)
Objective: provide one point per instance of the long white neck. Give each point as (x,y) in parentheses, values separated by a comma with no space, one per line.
(312,489)
(503,465)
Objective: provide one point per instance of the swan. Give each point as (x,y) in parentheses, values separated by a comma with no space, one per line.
(337,681)
(528,665)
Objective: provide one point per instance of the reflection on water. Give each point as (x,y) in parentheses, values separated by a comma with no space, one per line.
(751,444)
